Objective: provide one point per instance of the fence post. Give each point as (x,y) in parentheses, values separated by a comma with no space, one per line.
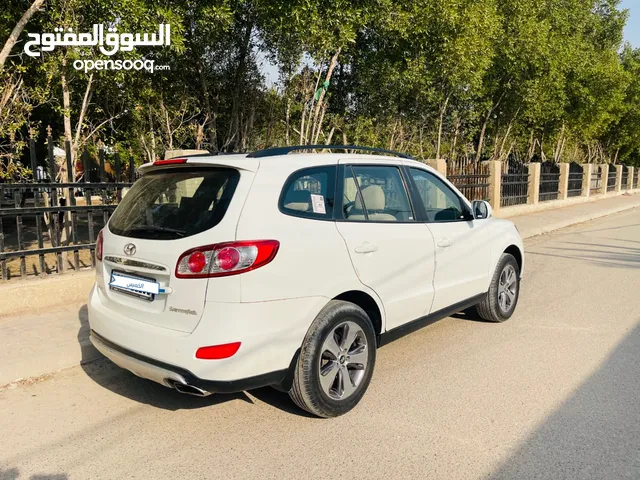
(440,165)
(604,168)
(631,171)
(563,186)
(495,183)
(587,170)
(535,169)
(618,178)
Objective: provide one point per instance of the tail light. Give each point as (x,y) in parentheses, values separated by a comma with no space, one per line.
(224,259)
(99,243)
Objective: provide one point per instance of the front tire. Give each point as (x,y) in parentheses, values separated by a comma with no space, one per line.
(502,297)
(336,361)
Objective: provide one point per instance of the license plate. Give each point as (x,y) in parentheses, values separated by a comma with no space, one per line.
(141,287)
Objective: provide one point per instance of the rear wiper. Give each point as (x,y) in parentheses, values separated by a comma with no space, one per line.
(156,228)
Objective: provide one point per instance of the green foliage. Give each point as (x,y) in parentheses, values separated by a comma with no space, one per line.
(478,79)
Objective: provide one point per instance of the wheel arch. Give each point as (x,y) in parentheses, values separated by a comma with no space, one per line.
(515,251)
(367,303)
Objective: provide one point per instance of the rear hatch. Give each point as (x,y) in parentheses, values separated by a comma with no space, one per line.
(167,212)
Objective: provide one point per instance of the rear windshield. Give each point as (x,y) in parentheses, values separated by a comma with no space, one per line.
(172,204)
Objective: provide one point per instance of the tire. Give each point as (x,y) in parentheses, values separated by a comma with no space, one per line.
(499,304)
(339,347)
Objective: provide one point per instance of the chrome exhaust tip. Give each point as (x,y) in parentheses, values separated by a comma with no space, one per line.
(187,389)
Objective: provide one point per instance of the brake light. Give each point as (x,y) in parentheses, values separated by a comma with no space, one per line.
(171,161)
(218,352)
(197,261)
(222,259)
(99,243)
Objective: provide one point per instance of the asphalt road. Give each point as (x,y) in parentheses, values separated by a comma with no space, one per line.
(553,393)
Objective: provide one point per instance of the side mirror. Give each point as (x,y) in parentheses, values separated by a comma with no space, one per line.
(481,209)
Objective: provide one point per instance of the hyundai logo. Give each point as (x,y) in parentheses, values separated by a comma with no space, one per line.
(130,249)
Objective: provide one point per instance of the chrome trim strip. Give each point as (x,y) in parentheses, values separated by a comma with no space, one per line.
(129,262)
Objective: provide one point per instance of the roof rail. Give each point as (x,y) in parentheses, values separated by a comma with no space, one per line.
(272,152)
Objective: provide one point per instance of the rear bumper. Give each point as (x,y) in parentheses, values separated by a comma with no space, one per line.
(270,334)
(169,375)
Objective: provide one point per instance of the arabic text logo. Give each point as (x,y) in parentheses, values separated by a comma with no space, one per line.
(108,44)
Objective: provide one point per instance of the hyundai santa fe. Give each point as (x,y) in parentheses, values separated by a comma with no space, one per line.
(289,268)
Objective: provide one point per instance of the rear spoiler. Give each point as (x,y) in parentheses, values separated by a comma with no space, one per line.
(239,162)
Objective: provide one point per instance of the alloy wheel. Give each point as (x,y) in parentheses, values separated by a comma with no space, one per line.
(343,360)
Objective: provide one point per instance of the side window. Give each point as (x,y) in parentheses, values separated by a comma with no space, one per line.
(441,203)
(309,193)
(375,194)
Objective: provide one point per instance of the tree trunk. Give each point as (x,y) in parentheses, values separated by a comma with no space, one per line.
(207,105)
(83,110)
(319,128)
(234,130)
(287,122)
(167,124)
(455,140)
(308,131)
(442,112)
(66,103)
(17,30)
(481,139)
(327,78)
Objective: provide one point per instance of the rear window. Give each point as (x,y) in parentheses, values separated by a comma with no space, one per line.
(174,204)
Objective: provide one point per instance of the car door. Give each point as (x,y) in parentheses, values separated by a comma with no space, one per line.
(391,252)
(462,246)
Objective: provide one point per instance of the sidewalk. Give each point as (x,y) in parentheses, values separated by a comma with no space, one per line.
(43,322)
(546,221)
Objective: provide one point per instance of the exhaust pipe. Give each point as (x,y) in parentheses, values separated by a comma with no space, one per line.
(184,387)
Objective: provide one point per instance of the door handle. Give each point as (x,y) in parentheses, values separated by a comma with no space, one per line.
(365,248)
(444,242)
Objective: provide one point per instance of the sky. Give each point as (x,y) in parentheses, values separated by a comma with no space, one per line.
(632,30)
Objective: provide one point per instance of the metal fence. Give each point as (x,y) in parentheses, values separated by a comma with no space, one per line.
(596,179)
(515,184)
(472,179)
(549,181)
(636,174)
(576,177)
(45,221)
(612,178)
(625,176)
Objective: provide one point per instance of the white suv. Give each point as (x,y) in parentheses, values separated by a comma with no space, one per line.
(231,272)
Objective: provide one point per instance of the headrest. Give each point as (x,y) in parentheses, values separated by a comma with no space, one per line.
(373,197)
(350,189)
(299,200)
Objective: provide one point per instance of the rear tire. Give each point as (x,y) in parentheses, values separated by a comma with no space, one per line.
(336,361)
(504,290)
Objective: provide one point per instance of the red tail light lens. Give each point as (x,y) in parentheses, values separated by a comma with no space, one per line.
(218,352)
(224,259)
(228,258)
(99,243)
(197,261)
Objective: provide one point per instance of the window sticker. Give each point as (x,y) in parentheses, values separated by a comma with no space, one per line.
(317,203)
